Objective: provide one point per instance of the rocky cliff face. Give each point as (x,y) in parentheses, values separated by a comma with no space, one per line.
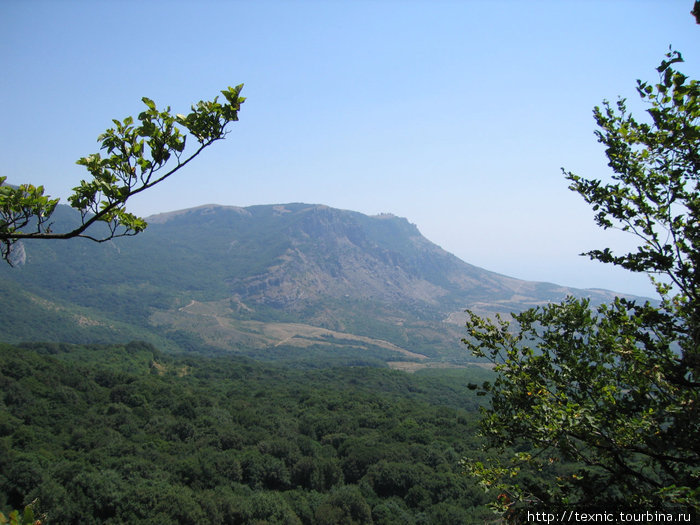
(330,254)
(18,255)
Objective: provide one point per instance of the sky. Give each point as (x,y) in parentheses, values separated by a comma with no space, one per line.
(457,115)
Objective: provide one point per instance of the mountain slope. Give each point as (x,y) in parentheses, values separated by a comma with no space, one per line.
(272,281)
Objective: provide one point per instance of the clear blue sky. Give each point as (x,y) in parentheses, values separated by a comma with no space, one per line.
(455,115)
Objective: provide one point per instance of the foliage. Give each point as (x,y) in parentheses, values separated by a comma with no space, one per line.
(613,388)
(139,156)
(26,517)
(125,434)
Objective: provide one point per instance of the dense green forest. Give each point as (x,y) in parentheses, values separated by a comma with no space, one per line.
(126,434)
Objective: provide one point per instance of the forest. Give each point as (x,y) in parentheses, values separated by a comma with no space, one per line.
(127,434)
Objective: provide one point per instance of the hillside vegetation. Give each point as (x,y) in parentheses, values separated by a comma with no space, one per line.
(125,434)
(278,281)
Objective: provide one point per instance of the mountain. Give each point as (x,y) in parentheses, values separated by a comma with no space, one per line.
(291,282)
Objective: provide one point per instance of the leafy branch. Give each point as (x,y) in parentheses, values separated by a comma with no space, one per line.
(138,155)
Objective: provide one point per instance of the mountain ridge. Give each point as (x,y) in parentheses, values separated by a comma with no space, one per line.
(276,280)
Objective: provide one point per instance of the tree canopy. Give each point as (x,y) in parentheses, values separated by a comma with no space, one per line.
(613,388)
(111,434)
(139,155)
